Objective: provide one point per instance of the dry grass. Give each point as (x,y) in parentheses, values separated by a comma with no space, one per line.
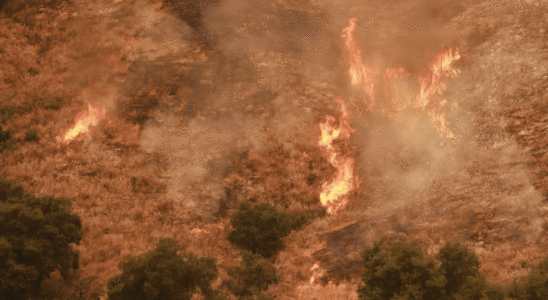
(119,190)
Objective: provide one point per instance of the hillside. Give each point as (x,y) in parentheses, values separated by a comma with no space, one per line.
(184,110)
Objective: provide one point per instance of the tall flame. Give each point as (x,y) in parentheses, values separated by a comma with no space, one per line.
(432,87)
(429,98)
(91,117)
(334,194)
(360,74)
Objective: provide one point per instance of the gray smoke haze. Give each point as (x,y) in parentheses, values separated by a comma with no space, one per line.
(278,66)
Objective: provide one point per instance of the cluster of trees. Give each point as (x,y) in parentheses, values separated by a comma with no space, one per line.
(35,238)
(165,274)
(398,270)
(36,234)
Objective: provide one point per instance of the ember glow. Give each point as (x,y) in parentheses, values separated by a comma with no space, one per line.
(334,193)
(91,117)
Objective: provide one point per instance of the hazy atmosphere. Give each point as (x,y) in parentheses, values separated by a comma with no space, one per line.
(416,119)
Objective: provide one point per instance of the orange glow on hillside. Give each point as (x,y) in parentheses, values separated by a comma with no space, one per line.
(334,194)
(316,272)
(83,121)
(360,74)
(432,87)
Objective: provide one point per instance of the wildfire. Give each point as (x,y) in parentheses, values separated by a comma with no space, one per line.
(83,121)
(432,87)
(316,272)
(359,73)
(333,194)
(429,98)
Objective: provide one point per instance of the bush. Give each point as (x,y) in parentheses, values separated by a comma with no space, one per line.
(260,228)
(53,103)
(163,274)
(252,276)
(395,269)
(5,136)
(460,268)
(534,286)
(458,264)
(31,136)
(35,234)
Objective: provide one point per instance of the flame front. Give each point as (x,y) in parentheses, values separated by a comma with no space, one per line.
(360,74)
(429,98)
(334,194)
(432,87)
(89,118)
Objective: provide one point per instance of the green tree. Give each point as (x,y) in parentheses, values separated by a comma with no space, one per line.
(253,276)
(532,287)
(260,228)
(396,269)
(35,238)
(163,274)
(460,267)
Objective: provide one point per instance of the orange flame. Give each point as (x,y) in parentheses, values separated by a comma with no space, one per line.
(359,73)
(316,272)
(333,194)
(432,85)
(86,119)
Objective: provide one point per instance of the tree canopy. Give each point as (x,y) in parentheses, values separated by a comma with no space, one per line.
(260,228)
(253,276)
(35,238)
(397,269)
(532,287)
(163,274)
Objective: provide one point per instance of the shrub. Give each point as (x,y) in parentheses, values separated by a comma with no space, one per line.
(31,136)
(53,103)
(534,286)
(252,276)
(32,71)
(163,274)
(8,111)
(395,269)
(5,136)
(457,265)
(35,234)
(460,268)
(260,228)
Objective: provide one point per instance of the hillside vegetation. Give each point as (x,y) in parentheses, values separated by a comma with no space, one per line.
(200,175)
